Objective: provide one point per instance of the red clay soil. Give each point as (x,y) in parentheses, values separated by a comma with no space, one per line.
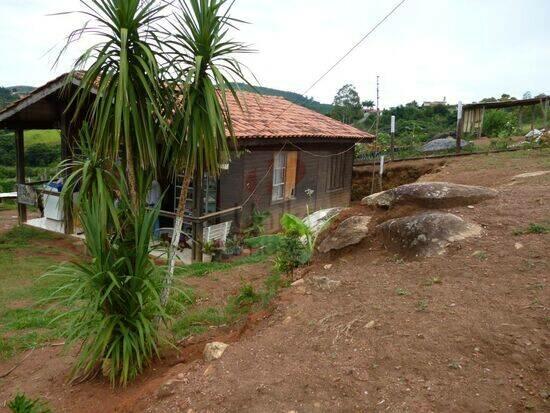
(463,332)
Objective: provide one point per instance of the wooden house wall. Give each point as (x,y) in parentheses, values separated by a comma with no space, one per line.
(246,172)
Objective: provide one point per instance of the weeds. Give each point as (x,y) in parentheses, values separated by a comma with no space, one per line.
(422,305)
(402,291)
(533,228)
(23,404)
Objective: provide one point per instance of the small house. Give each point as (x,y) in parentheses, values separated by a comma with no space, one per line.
(287,157)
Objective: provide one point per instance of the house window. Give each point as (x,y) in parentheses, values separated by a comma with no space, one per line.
(336,172)
(284,175)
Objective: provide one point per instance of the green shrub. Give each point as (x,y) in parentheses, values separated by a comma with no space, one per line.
(499,123)
(296,245)
(257,224)
(22,404)
(115,297)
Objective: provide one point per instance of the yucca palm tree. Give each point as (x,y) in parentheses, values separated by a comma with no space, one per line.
(205,67)
(115,297)
(122,74)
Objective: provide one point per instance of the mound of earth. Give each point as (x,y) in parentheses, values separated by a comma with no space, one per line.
(430,195)
(426,234)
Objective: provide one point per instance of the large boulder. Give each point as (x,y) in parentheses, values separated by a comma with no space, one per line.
(442,144)
(430,195)
(350,231)
(426,234)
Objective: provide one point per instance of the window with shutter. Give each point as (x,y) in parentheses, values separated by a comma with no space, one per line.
(284,175)
(336,172)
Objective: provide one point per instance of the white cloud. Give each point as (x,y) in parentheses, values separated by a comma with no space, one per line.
(428,49)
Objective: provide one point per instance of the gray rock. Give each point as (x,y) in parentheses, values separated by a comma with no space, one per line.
(349,232)
(214,350)
(430,195)
(442,144)
(426,234)
(535,133)
(530,174)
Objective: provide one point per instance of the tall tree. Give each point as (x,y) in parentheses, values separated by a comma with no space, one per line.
(203,57)
(347,105)
(115,297)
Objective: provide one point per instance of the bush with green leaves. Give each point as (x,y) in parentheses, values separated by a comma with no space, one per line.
(296,244)
(23,404)
(113,299)
(257,223)
(499,123)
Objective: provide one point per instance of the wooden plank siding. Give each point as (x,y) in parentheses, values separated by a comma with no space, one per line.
(246,172)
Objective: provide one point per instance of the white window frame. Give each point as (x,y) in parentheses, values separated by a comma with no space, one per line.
(279,177)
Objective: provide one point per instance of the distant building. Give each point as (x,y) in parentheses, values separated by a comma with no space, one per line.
(435,103)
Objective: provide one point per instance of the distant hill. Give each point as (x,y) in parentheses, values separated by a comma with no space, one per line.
(293,97)
(12,93)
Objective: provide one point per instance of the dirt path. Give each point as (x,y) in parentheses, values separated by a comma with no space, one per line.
(468,331)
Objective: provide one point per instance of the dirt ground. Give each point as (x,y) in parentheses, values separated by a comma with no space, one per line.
(463,332)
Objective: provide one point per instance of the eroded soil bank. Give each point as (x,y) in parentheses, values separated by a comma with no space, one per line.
(467,331)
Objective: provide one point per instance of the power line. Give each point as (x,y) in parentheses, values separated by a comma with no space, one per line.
(357,44)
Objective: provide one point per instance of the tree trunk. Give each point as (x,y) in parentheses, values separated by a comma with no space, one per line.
(132,185)
(178,223)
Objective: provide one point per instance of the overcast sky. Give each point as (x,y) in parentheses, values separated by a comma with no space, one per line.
(429,49)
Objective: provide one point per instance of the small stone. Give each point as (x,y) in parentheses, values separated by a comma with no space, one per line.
(518,245)
(298,282)
(208,370)
(327,266)
(181,376)
(470,207)
(287,320)
(214,350)
(370,324)
(167,389)
(301,289)
(325,283)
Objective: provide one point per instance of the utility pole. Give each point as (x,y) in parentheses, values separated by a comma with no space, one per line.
(377,145)
(377,104)
(392,139)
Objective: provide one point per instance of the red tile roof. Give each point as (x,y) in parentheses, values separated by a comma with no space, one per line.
(265,116)
(258,116)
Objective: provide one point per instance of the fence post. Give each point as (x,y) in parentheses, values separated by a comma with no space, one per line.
(20,171)
(459,127)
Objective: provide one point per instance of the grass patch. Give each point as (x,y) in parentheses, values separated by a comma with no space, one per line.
(534,228)
(200,269)
(267,244)
(422,305)
(25,324)
(197,321)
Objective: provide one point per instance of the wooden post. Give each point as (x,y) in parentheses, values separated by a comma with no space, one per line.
(459,127)
(198,196)
(20,171)
(481,123)
(544,107)
(66,153)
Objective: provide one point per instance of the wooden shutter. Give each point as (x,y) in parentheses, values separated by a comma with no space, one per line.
(290,182)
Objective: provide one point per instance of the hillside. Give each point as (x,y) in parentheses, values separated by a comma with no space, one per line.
(12,93)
